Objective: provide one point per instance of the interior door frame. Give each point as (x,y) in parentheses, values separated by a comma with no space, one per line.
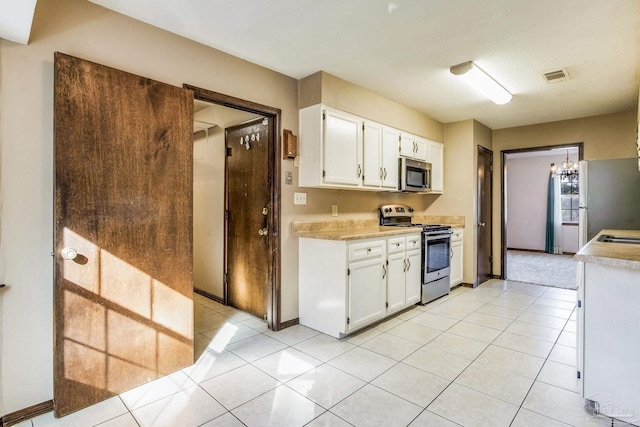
(273,221)
(503,192)
(484,151)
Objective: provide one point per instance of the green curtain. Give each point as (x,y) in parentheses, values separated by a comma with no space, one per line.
(550,241)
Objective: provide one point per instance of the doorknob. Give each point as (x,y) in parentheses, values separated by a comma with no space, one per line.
(69,254)
(263,231)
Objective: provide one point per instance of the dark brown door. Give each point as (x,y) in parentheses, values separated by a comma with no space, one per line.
(123,231)
(248,257)
(485,215)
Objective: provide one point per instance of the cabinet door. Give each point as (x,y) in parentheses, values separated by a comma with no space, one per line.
(366,292)
(390,141)
(413,279)
(456,263)
(421,151)
(407,145)
(373,172)
(342,160)
(395,281)
(436,158)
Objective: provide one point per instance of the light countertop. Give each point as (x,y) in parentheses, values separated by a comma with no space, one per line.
(352,229)
(618,255)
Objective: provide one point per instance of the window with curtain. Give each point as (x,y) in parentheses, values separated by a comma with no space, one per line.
(569,199)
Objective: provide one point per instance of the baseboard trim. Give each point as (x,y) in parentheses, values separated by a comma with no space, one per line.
(539,251)
(26,413)
(527,250)
(208,295)
(289,323)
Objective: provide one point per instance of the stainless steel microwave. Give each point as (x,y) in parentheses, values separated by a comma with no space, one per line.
(415,176)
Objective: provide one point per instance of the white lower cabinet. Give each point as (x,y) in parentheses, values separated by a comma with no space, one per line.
(456,256)
(347,285)
(366,293)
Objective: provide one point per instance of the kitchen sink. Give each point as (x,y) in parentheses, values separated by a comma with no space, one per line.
(609,238)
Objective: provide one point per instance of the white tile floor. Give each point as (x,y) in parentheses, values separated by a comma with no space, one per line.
(502,354)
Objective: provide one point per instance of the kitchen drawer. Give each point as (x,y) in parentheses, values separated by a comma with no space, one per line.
(364,250)
(413,242)
(457,235)
(395,244)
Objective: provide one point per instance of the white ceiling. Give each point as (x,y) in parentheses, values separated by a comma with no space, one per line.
(16,17)
(403,49)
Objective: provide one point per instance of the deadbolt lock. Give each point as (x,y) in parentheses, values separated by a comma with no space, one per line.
(263,232)
(265,211)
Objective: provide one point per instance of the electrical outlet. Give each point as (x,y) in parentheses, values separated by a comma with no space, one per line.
(334,210)
(299,198)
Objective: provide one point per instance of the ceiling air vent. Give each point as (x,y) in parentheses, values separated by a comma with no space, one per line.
(556,76)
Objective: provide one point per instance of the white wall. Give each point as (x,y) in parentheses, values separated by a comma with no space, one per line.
(527,183)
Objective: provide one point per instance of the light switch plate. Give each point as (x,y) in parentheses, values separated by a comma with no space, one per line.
(299,198)
(334,210)
(288,178)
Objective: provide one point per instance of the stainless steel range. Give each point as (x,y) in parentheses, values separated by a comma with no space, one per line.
(436,249)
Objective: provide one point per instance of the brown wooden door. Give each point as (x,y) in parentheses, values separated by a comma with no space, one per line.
(485,215)
(123,231)
(248,256)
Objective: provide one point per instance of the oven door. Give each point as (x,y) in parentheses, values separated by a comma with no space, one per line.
(436,250)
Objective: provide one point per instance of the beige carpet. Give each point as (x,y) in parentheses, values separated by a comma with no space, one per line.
(542,269)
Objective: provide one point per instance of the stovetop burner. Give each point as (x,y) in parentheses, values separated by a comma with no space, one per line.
(400,216)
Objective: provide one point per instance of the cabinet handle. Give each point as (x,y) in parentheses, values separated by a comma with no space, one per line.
(385,173)
(408,264)
(384,271)
(381,173)
(415,147)
(451,253)
(359,171)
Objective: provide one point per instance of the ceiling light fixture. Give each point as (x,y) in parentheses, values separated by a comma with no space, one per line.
(482,82)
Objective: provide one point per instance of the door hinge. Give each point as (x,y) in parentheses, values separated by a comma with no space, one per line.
(226,215)
(579,303)
(225,277)
(348,320)
(363,127)
(491,168)
(324,116)
(323,173)
(490,258)
(228,152)
(386,304)
(348,272)
(579,375)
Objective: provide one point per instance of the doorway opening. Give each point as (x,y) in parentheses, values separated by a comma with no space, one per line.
(236,242)
(528,189)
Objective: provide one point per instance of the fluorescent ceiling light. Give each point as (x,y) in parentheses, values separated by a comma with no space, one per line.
(482,82)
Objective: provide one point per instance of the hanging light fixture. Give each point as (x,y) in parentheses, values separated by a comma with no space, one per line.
(481,81)
(568,168)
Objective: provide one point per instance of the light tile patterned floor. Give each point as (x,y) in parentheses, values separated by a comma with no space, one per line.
(502,354)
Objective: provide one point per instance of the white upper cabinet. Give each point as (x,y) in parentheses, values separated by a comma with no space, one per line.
(373,172)
(342,148)
(390,141)
(414,147)
(436,158)
(344,151)
(380,156)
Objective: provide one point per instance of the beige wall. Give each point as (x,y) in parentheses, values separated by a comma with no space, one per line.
(91,32)
(332,91)
(608,136)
